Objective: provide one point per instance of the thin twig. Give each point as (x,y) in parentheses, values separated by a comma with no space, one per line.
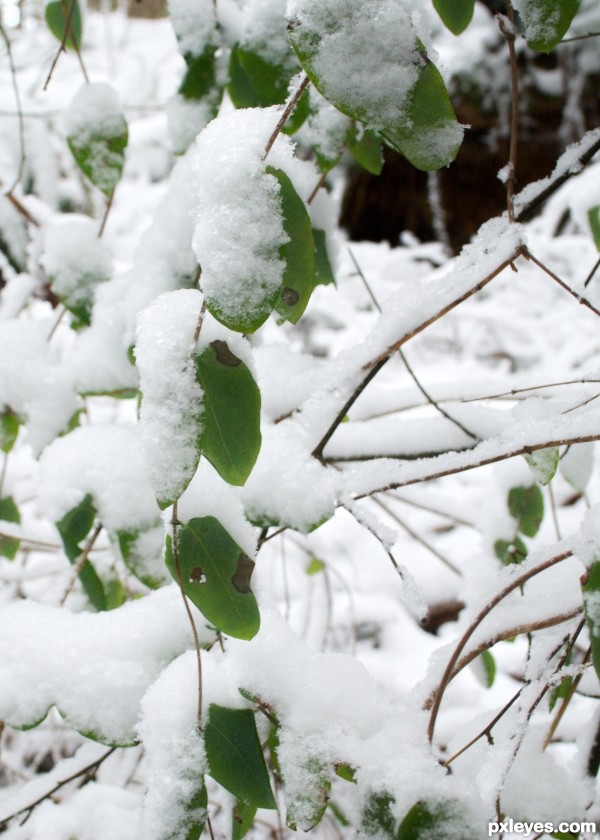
(554,511)
(201,315)
(484,462)
(106,212)
(373,366)
(579,298)
(81,562)
(175,549)
(13,75)
(62,48)
(316,188)
(421,540)
(508,30)
(591,274)
(486,731)
(565,702)
(580,37)
(285,114)
(20,208)
(87,769)
(63,312)
(411,372)
(516,391)
(517,582)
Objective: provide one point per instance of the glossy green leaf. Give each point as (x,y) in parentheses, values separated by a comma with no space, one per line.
(594,220)
(591,603)
(56,13)
(235,757)
(9,512)
(431,820)
(526,505)
(455,14)
(429,136)
(323,272)
(367,151)
(298,253)
(231,436)
(199,79)
(242,819)
(9,429)
(510,551)
(215,575)
(423,126)
(546,21)
(116,594)
(377,819)
(254,81)
(544,463)
(73,528)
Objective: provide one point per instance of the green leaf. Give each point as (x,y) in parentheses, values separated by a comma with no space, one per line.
(254,81)
(235,757)
(455,14)
(231,436)
(199,79)
(543,464)
(215,575)
(422,126)
(526,505)
(9,512)
(346,772)
(298,253)
(315,566)
(559,692)
(430,820)
(56,14)
(429,136)
(591,602)
(242,819)
(489,667)
(116,594)
(323,271)
(97,135)
(367,151)
(306,810)
(135,553)
(546,21)
(377,819)
(191,822)
(9,429)
(594,220)
(73,528)
(510,551)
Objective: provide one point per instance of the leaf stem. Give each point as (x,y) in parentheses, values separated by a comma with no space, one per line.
(175,548)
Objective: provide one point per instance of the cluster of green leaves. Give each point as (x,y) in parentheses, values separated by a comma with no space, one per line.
(426,820)
(555,17)
(526,506)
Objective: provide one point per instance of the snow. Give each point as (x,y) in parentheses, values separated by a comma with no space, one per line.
(239,225)
(75,259)
(194,24)
(172,401)
(104,461)
(94,112)
(348,35)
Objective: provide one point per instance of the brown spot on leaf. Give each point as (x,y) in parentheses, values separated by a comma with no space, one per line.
(290,297)
(197,575)
(243,573)
(224,354)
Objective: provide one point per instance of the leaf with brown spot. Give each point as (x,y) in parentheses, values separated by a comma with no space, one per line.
(215,575)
